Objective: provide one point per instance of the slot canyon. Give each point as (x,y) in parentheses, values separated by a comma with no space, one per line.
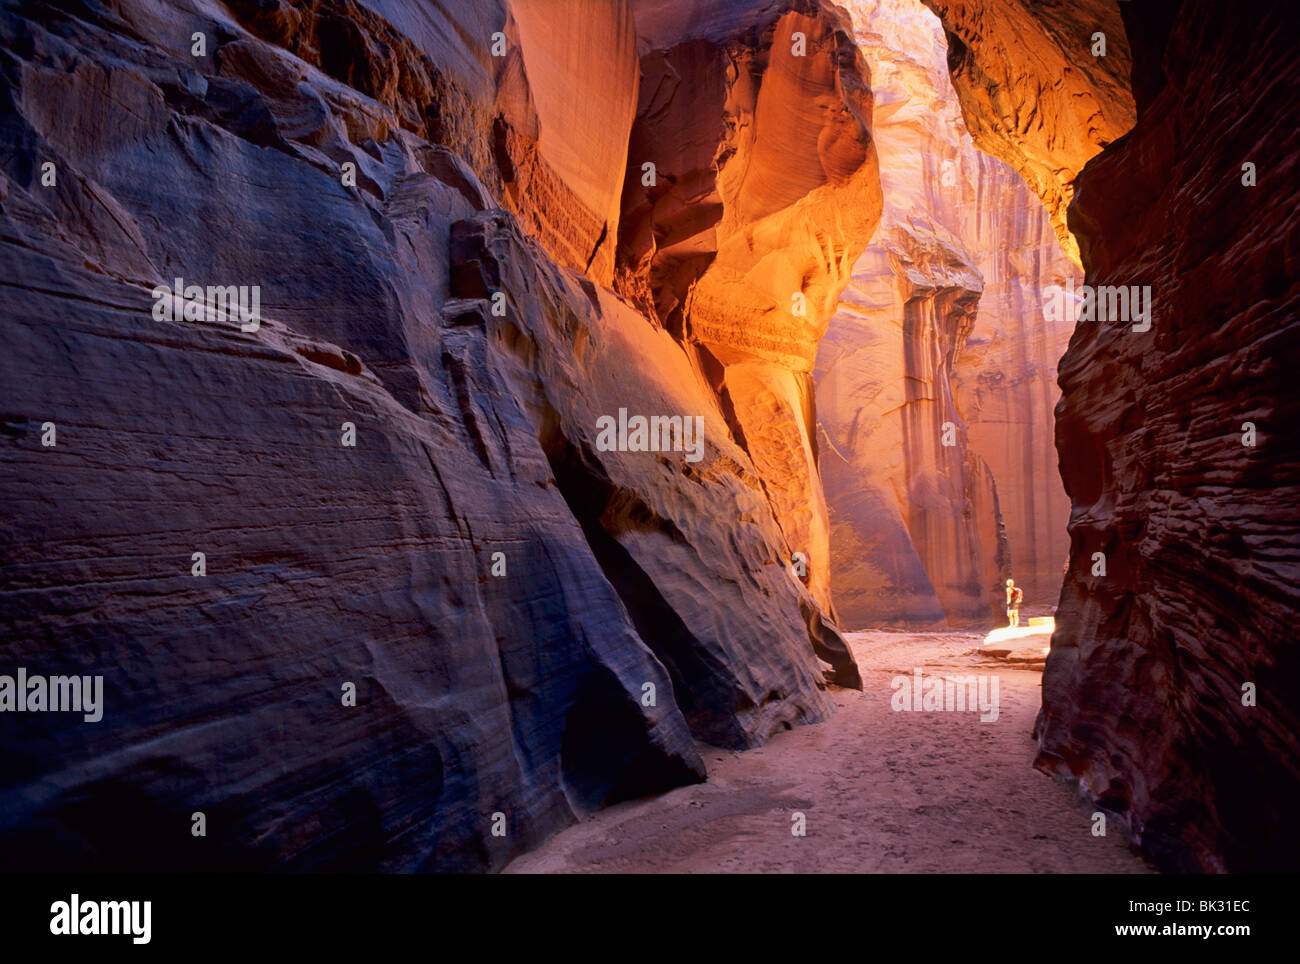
(482,435)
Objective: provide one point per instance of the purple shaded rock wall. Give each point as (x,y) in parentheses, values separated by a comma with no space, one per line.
(645,599)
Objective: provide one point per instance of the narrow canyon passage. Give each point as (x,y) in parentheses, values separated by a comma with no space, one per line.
(881,791)
(936,377)
(425,423)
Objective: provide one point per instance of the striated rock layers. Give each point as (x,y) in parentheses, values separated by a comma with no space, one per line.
(363,578)
(939,338)
(1169,691)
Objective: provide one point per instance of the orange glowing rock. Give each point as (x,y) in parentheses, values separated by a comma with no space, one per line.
(1034,93)
(765,191)
(936,378)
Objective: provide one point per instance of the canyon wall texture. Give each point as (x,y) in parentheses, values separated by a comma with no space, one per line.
(941,338)
(1033,92)
(363,579)
(1169,694)
(764,192)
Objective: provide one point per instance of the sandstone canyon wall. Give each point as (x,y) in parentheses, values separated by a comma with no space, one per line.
(941,326)
(1032,91)
(765,192)
(534,624)
(1169,694)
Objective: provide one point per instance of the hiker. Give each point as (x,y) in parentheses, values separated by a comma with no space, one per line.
(1014,595)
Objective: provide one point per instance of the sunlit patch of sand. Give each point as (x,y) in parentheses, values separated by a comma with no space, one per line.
(1022,643)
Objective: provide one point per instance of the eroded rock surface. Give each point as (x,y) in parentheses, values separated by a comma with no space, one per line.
(639,599)
(1037,90)
(764,192)
(1147,692)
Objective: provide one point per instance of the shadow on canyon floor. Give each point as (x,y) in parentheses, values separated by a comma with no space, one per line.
(882,791)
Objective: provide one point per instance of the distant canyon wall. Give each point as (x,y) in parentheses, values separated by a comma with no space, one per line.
(941,338)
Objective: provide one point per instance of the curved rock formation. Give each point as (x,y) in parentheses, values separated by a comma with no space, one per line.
(1043,86)
(495,82)
(1168,694)
(763,191)
(364,575)
(369,577)
(940,337)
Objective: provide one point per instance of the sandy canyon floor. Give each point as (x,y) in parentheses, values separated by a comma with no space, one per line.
(881,791)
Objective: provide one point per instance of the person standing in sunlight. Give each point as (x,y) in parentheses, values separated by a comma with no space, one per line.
(1014,596)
